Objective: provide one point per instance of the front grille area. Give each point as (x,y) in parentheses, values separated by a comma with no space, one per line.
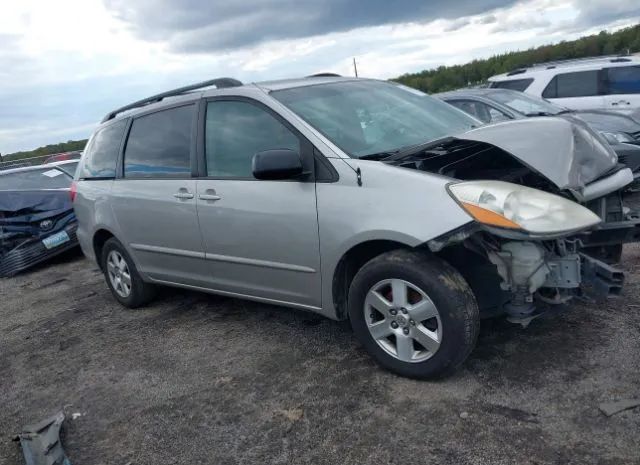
(33,252)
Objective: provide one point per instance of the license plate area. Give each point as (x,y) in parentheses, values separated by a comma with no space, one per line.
(56,239)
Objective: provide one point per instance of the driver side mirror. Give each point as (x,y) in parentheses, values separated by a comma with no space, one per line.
(277,164)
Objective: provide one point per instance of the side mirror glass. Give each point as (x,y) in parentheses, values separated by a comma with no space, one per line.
(277,164)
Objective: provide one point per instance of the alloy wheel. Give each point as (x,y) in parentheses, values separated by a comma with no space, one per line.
(119,274)
(403,320)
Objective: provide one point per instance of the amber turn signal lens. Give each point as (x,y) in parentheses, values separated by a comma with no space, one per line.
(482,215)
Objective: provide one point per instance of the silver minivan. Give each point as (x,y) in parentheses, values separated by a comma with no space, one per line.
(353,198)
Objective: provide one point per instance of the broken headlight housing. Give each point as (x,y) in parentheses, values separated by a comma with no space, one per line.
(520,208)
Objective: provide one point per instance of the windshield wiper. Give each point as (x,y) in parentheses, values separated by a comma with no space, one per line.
(540,113)
(379,155)
(413,149)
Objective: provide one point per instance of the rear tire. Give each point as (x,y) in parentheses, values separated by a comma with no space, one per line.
(122,277)
(414,314)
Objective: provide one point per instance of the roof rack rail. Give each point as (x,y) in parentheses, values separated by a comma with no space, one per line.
(220,83)
(517,71)
(323,75)
(552,64)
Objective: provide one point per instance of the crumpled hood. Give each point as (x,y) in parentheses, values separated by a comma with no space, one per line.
(27,206)
(568,153)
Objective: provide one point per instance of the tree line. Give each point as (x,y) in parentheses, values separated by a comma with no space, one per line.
(446,78)
(68,146)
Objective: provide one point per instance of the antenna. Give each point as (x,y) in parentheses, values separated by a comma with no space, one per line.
(355,66)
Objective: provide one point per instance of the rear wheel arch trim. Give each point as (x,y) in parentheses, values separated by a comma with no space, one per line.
(98,239)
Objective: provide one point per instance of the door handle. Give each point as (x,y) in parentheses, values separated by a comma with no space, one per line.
(209,197)
(183,195)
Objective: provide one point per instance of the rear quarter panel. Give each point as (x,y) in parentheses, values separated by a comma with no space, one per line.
(93,210)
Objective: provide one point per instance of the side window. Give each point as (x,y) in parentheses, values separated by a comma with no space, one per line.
(579,84)
(159,144)
(102,156)
(235,131)
(497,116)
(514,84)
(623,80)
(482,111)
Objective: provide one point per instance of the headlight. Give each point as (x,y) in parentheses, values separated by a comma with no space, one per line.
(506,205)
(617,137)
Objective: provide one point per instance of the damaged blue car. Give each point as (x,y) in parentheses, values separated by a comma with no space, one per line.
(37,220)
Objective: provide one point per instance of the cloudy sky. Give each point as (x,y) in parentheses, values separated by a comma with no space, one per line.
(65,63)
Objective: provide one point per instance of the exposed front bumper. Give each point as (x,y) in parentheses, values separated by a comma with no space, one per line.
(32,252)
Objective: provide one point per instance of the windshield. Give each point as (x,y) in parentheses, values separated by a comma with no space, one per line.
(525,104)
(49,178)
(366,117)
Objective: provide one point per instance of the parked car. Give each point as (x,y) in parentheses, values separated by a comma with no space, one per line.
(352,198)
(599,83)
(497,105)
(37,220)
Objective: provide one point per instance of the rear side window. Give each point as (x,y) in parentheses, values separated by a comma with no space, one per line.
(579,84)
(515,84)
(159,144)
(623,80)
(102,157)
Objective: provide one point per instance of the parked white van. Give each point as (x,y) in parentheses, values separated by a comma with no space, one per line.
(611,83)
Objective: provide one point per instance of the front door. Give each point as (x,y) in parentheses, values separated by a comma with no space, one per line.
(260,237)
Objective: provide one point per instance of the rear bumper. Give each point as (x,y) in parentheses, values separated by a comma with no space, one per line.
(33,252)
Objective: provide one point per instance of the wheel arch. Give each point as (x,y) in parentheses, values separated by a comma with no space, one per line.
(100,237)
(350,262)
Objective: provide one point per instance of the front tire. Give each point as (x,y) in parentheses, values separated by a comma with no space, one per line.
(414,313)
(123,278)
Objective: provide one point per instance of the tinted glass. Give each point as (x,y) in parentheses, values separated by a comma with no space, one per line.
(524,103)
(236,131)
(371,117)
(102,156)
(624,80)
(515,84)
(579,84)
(480,110)
(45,178)
(159,144)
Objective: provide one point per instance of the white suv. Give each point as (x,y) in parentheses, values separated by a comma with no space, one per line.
(611,83)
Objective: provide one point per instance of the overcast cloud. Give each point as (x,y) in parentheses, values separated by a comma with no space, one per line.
(65,64)
(205,25)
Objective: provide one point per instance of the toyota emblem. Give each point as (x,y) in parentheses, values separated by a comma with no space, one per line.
(46,224)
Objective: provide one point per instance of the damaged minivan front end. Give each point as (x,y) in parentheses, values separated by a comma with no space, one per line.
(542,213)
(524,247)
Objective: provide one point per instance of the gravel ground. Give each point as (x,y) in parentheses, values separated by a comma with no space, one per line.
(195,378)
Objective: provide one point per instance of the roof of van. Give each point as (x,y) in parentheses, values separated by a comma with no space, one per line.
(219,86)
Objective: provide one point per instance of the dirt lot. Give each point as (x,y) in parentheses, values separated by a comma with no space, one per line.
(204,379)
